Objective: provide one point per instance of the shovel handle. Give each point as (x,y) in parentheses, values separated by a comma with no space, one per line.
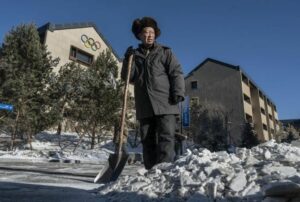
(121,139)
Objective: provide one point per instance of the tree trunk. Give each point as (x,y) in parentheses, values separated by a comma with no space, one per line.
(93,137)
(59,127)
(80,137)
(29,141)
(58,131)
(14,131)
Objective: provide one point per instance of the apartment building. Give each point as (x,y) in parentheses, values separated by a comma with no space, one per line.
(228,85)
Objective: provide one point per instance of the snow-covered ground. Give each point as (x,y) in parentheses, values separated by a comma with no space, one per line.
(268,172)
(47,146)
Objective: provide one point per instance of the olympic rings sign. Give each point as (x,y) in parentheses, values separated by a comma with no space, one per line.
(90,42)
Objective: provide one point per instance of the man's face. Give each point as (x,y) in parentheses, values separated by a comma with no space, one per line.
(147,36)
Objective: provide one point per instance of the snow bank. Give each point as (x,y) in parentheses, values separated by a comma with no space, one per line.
(267,172)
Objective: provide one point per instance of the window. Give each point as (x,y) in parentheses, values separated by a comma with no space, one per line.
(80,56)
(252,85)
(265,127)
(245,79)
(270,117)
(249,118)
(263,111)
(194,85)
(247,98)
(261,95)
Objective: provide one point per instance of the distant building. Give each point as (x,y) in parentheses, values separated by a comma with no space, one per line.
(291,122)
(224,84)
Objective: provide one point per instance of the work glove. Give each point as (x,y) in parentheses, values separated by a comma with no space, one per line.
(129,51)
(175,99)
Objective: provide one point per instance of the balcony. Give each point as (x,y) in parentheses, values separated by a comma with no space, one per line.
(246,89)
(247,108)
(261,102)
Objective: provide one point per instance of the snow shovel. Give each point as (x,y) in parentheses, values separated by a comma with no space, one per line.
(117,161)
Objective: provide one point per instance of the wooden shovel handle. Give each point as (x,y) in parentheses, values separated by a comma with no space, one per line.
(121,135)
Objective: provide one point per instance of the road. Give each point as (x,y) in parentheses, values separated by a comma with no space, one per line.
(22,181)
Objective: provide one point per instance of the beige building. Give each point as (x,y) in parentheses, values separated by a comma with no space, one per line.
(78,42)
(228,85)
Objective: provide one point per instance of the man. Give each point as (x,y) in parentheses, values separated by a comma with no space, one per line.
(159,87)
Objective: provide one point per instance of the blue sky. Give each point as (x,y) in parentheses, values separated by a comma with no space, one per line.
(261,36)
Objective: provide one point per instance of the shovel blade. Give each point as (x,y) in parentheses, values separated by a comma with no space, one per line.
(112,169)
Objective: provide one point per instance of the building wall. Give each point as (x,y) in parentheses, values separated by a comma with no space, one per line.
(222,86)
(59,43)
(244,101)
(247,97)
(256,111)
(261,110)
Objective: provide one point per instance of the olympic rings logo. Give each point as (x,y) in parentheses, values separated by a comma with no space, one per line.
(90,42)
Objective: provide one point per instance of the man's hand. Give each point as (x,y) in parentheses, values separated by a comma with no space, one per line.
(129,52)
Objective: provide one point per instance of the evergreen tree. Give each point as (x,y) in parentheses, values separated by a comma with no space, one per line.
(98,108)
(63,89)
(290,134)
(250,138)
(26,68)
(208,126)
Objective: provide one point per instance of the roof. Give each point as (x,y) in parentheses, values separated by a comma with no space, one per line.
(214,61)
(234,67)
(52,27)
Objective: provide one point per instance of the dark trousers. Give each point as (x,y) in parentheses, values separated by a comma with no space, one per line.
(157,135)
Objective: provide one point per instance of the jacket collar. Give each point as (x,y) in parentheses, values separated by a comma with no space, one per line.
(141,50)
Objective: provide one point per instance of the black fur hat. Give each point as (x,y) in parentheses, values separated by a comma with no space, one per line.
(139,24)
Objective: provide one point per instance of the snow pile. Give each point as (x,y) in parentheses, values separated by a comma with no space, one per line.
(266,172)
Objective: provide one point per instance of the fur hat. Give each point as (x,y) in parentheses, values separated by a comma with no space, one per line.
(139,24)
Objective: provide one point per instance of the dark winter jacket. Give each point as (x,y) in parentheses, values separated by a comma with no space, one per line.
(157,79)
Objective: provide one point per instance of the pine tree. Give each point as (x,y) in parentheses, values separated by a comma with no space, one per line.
(98,107)
(63,89)
(290,134)
(26,68)
(250,138)
(208,126)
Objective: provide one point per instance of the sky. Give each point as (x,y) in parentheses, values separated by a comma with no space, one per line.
(261,36)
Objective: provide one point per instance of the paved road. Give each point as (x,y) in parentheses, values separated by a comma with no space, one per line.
(43,181)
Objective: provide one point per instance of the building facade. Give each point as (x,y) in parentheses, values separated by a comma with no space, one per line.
(76,42)
(227,85)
